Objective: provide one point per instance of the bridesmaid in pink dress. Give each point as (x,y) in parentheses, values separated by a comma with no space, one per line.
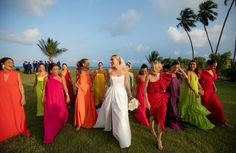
(55,111)
(140,113)
(66,73)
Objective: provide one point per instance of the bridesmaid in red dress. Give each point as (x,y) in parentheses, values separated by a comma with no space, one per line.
(140,113)
(157,98)
(210,99)
(66,73)
(12,118)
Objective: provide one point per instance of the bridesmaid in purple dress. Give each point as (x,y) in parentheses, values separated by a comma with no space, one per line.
(55,111)
(172,119)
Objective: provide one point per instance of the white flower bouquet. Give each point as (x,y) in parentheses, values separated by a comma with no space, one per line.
(133,104)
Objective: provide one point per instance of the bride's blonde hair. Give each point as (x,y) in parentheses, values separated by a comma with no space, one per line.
(117,57)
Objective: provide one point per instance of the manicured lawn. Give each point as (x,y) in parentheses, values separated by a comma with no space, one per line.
(187,140)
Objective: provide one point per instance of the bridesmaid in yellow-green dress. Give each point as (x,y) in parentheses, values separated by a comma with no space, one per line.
(38,87)
(190,108)
(99,84)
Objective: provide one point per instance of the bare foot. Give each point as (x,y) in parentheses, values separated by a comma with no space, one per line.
(77,129)
(159,144)
(152,129)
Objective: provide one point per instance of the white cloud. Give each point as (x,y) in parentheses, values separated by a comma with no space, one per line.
(136,48)
(33,7)
(164,6)
(126,22)
(29,36)
(197,35)
(176,52)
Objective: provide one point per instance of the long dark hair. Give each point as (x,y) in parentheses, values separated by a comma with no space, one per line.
(3,60)
(197,69)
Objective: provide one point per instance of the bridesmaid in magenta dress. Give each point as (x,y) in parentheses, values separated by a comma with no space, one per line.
(157,98)
(140,113)
(55,111)
(172,119)
(210,99)
(66,73)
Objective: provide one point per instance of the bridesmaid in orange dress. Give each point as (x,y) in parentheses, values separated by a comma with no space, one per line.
(12,118)
(85,112)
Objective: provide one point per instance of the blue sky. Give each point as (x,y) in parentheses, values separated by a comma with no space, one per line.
(96,29)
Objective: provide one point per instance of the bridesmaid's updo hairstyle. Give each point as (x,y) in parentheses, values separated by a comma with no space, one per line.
(175,63)
(100,63)
(117,57)
(211,62)
(51,66)
(3,60)
(64,64)
(143,67)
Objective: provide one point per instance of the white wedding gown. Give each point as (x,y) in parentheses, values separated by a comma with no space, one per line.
(113,113)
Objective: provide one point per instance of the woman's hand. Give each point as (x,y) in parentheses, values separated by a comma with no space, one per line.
(23,100)
(67,98)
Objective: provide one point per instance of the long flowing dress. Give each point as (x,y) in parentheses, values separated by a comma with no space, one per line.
(190,108)
(99,88)
(140,113)
(39,93)
(172,119)
(210,99)
(70,88)
(158,98)
(12,118)
(55,111)
(114,112)
(85,113)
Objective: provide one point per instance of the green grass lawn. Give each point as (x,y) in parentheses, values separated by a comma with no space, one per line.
(187,140)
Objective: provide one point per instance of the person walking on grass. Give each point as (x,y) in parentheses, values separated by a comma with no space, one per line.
(12,118)
(40,75)
(55,111)
(156,98)
(85,114)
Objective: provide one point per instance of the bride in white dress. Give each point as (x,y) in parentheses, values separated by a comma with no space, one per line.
(113,114)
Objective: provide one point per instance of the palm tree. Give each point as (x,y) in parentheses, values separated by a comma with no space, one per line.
(234,51)
(206,12)
(154,55)
(50,48)
(226,17)
(187,20)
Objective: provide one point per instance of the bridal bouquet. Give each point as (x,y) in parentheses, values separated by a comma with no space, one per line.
(133,104)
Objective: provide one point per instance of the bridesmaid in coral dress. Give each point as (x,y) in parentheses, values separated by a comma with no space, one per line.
(157,98)
(85,113)
(99,85)
(210,99)
(12,118)
(38,87)
(140,113)
(55,111)
(66,73)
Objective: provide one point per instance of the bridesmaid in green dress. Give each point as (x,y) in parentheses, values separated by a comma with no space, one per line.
(189,107)
(38,87)
(130,77)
